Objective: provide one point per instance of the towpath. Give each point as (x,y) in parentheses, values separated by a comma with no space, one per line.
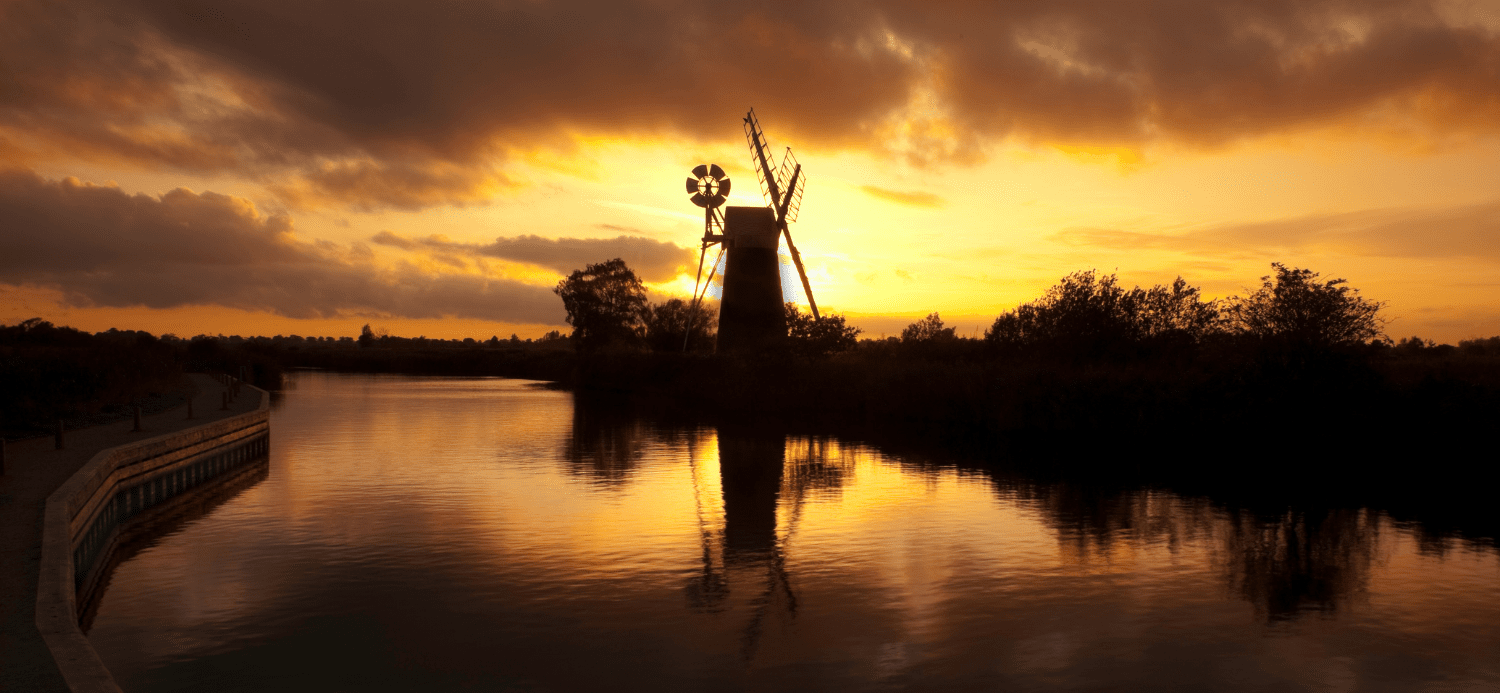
(34,468)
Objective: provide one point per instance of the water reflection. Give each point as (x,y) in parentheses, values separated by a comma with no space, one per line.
(1282,563)
(606,443)
(1300,560)
(444,534)
(751,465)
(156,524)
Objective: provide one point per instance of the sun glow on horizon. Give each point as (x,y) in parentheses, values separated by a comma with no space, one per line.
(931,186)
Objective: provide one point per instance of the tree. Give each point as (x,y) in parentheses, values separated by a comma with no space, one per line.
(1177,311)
(818,337)
(1086,313)
(1294,307)
(667,325)
(1082,312)
(927,330)
(605,303)
(366,336)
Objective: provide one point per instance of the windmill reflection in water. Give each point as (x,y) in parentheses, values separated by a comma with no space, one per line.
(756,475)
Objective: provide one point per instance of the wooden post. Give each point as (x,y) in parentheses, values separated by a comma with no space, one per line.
(137,420)
(190,407)
(226,401)
(59,434)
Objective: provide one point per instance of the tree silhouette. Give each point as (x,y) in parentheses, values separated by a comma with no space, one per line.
(605,302)
(1081,312)
(1176,311)
(818,337)
(1293,307)
(1085,313)
(667,324)
(927,330)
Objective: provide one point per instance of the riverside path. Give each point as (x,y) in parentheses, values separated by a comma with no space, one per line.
(34,468)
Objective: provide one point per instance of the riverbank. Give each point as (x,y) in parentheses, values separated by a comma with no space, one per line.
(34,469)
(1259,396)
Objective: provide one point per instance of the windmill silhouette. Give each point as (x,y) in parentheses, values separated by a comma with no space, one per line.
(750,310)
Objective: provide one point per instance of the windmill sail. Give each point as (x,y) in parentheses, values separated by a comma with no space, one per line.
(782,188)
(760,160)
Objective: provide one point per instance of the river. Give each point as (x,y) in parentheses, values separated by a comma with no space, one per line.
(484,534)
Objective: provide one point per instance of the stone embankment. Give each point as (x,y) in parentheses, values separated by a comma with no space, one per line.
(62,509)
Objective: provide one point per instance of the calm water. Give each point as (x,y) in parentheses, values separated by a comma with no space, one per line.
(446,534)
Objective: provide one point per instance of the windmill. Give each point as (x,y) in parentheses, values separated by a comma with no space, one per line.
(750,310)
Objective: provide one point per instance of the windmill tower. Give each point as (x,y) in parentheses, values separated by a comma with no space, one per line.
(750,311)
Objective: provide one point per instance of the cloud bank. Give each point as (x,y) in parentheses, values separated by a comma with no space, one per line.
(102,247)
(408,105)
(1469,232)
(913,198)
(652,260)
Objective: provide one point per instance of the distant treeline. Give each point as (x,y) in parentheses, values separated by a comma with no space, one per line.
(1299,356)
(49,372)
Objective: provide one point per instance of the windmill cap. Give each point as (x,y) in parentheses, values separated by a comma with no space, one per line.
(750,227)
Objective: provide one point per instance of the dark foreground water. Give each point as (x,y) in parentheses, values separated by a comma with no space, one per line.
(441,534)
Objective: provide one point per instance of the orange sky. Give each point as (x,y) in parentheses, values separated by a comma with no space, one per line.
(434,168)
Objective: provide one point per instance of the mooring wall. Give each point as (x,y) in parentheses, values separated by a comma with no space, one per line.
(83,518)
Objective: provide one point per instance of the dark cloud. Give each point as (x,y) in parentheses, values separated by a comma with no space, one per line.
(395,241)
(403,104)
(914,199)
(368,185)
(102,247)
(1461,232)
(652,260)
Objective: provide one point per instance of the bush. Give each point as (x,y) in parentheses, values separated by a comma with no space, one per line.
(1292,307)
(1176,312)
(1090,315)
(818,337)
(668,325)
(927,330)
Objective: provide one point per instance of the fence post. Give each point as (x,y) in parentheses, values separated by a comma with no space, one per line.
(226,401)
(59,434)
(137,419)
(190,407)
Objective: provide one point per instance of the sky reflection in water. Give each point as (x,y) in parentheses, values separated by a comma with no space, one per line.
(418,533)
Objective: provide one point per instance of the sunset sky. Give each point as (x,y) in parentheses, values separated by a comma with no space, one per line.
(435,168)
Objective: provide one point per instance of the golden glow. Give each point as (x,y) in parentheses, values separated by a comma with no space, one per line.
(885,240)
